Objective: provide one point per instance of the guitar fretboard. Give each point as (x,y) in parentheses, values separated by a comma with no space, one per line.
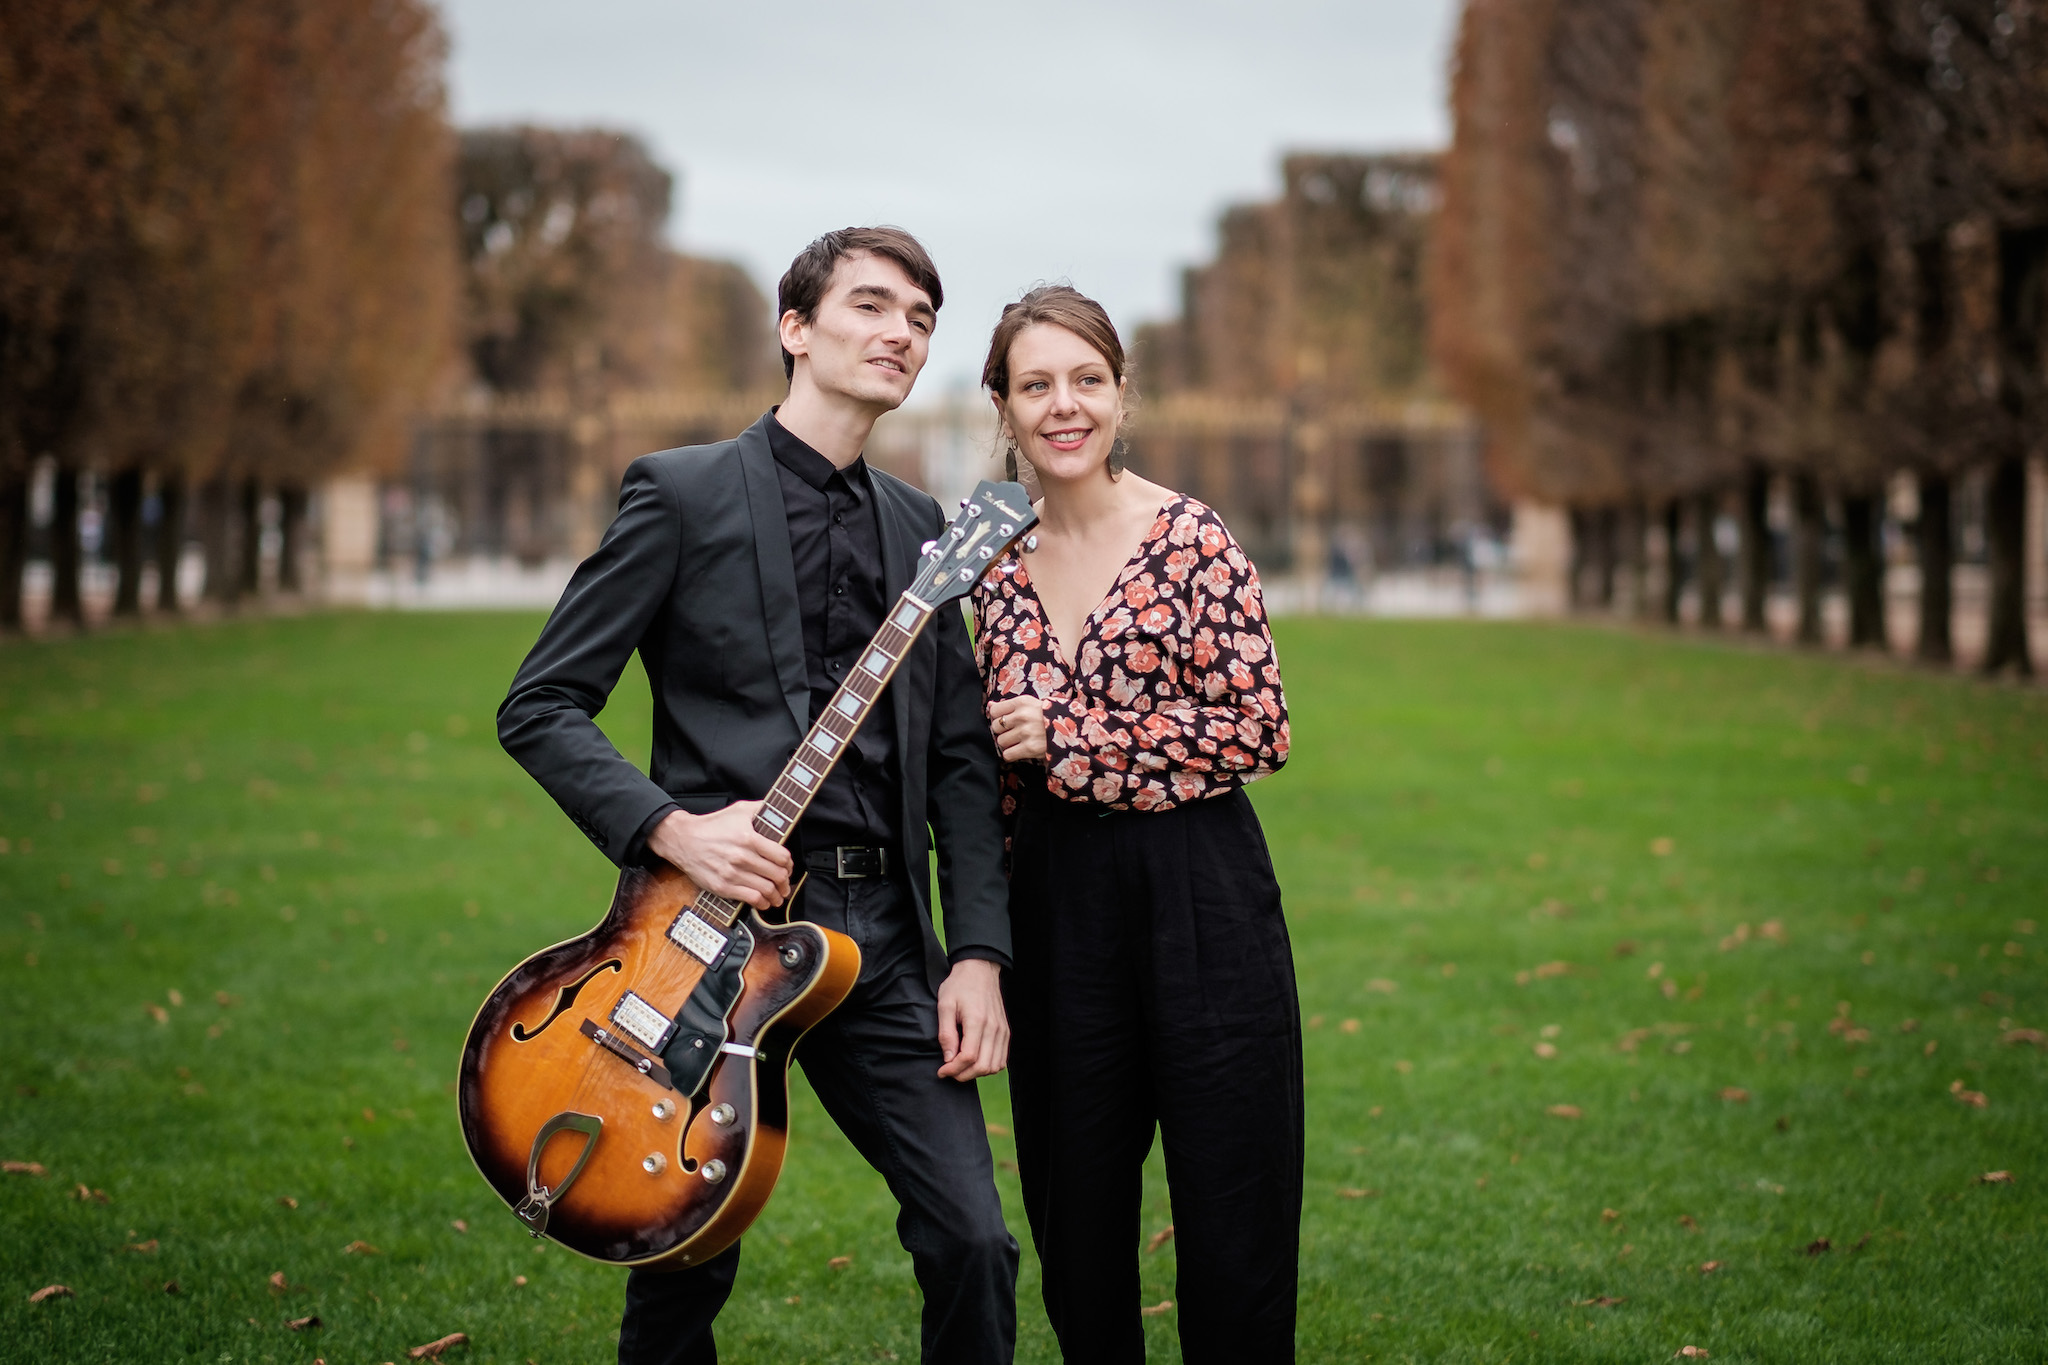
(826,743)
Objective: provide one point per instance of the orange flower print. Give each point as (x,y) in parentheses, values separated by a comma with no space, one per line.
(1142,657)
(1214,538)
(1156,618)
(1139,592)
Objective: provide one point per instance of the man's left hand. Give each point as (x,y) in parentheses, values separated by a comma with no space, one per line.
(974,1032)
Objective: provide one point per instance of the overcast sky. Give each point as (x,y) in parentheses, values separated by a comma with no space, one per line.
(1090,142)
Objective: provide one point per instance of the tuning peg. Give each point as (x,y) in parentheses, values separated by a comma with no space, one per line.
(975,510)
(963,502)
(1030,543)
(926,548)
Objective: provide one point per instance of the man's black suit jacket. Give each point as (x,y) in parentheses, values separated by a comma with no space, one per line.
(696,574)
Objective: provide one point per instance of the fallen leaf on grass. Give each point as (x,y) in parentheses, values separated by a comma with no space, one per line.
(1349,1026)
(360,1248)
(460,1225)
(1688,1222)
(146,1248)
(1709,1267)
(1974,1098)
(519,1280)
(1009,1166)
(301,1324)
(1995,1178)
(1565,1111)
(277,1281)
(51,1291)
(287,1201)
(997,1130)
(1158,1309)
(1315,1021)
(794,1299)
(1662,846)
(1735,1094)
(1382,985)
(432,1350)
(1604,1301)
(1690,1353)
(1165,1235)
(1348,1192)
(1549,969)
(1819,1246)
(1609,1215)
(90,1196)
(839,1263)
(23,1168)
(2011,1038)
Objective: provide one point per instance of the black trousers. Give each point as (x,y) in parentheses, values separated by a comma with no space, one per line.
(1154,984)
(874,1064)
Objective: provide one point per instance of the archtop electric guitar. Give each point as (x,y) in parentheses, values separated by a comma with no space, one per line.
(627,1091)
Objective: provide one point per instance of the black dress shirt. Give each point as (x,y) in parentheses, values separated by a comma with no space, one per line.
(841,597)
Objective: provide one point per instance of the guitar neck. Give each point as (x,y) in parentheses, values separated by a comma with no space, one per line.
(797,785)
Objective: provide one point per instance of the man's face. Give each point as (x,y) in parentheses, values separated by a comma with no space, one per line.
(870,337)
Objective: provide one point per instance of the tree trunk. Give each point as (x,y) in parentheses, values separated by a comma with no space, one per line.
(1636,530)
(250,508)
(1580,524)
(13,545)
(1937,569)
(1756,549)
(1808,555)
(1607,539)
(67,603)
(2005,535)
(1706,512)
(217,523)
(124,528)
(170,540)
(1863,570)
(291,506)
(1674,579)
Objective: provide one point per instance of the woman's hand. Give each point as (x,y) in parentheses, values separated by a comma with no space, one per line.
(1018,724)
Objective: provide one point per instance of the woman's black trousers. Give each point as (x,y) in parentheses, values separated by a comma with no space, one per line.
(1154,985)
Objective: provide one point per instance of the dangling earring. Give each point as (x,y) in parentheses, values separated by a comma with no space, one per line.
(1010,460)
(1118,453)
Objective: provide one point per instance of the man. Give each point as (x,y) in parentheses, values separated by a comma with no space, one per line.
(748,575)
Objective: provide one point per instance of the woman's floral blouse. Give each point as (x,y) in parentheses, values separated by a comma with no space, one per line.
(1175,694)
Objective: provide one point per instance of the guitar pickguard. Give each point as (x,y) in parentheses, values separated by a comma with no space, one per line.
(700,1024)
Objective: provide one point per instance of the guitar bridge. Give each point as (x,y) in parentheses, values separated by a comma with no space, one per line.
(632,1056)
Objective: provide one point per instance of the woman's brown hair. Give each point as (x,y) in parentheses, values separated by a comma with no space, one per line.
(1064,306)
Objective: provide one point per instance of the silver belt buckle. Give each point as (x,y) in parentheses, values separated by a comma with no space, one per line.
(839,853)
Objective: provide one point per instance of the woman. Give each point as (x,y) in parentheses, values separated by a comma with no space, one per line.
(1133,691)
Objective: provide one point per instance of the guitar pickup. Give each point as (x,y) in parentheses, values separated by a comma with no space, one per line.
(645,1024)
(611,1042)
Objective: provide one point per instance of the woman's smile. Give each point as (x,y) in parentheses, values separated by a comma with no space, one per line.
(1067,438)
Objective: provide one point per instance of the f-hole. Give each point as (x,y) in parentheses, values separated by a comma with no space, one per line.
(564,998)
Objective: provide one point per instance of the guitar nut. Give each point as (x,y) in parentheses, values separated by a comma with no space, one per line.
(722,1114)
(655,1163)
(714,1171)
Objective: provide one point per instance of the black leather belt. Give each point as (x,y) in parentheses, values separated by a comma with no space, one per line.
(849,861)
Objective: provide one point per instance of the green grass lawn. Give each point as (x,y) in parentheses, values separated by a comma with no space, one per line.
(1621,955)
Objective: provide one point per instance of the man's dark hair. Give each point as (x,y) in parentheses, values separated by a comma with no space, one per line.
(810,274)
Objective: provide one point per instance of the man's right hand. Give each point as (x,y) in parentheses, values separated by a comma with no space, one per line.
(722,854)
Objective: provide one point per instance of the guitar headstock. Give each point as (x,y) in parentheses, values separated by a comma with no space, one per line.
(989,522)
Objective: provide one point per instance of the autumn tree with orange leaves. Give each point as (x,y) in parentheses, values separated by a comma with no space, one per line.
(1689,250)
(226,264)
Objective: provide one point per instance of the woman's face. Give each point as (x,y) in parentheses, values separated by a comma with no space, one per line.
(1064,405)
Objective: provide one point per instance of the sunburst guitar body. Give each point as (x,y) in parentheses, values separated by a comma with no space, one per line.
(627,1091)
